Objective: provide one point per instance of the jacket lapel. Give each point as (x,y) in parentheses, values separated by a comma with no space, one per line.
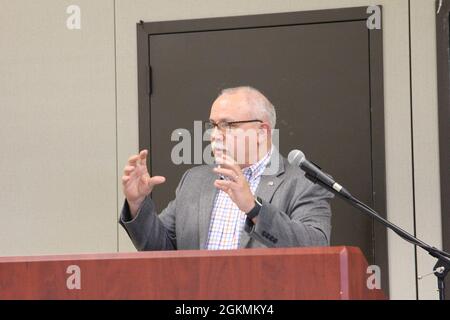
(270,180)
(208,194)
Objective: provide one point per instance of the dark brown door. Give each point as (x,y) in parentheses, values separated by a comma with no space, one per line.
(321,75)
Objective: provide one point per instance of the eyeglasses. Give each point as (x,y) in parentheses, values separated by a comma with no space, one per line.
(226,125)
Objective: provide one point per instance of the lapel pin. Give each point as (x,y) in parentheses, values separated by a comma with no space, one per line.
(270,183)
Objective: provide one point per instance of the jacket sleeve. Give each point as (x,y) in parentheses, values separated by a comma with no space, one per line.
(307,222)
(147,230)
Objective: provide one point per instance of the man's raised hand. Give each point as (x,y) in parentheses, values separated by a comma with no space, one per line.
(137,182)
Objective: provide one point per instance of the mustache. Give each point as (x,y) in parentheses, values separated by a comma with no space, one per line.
(217,146)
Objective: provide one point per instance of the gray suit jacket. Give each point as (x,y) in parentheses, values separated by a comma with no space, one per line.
(295,212)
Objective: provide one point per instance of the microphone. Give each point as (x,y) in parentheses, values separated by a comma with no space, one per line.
(314,173)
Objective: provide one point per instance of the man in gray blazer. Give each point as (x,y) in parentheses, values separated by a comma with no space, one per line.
(252,197)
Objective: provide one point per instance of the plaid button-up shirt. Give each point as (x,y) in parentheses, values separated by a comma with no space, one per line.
(227,221)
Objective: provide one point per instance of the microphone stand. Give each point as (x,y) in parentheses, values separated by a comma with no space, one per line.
(442,266)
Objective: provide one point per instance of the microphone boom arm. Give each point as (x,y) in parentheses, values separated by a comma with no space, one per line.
(442,266)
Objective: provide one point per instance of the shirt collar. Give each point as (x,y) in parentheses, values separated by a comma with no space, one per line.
(256,169)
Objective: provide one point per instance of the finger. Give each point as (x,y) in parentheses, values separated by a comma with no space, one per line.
(223,188)
(133,160)
(229,163)
(128,170)
(143,157)
(225,184)
(153,181)
(226,158)
(125,180)
(226,172)
(220,155)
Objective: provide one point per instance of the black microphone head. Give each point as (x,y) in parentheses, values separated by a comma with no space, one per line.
(295,157)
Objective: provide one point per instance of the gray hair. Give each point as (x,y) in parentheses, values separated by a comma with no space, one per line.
(261,106)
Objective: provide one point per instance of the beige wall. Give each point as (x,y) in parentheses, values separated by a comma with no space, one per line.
(65,140)
(57,129)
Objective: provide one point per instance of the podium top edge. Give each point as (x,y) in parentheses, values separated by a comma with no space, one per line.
(185,254)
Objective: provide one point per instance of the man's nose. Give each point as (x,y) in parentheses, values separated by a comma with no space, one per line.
(216,134)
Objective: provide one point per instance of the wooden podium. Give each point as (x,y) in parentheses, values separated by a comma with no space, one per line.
(291,273)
